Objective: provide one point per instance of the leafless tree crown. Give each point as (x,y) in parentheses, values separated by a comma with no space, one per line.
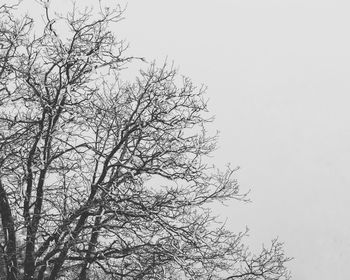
(82,154)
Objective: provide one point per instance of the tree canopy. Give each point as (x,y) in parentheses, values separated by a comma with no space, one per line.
(102,178)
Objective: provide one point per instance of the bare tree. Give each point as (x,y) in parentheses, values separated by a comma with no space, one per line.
(100,178)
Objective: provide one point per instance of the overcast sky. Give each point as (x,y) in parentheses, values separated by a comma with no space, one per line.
(278,81)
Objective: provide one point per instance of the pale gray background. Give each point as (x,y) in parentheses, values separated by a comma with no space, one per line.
(278,80)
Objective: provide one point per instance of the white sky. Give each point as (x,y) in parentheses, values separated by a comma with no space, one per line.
(278,80)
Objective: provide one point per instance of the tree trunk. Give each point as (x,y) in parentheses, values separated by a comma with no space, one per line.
(2,257)
(9,234)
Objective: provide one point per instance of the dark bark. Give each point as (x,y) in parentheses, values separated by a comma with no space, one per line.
(92,244)
(8,228)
